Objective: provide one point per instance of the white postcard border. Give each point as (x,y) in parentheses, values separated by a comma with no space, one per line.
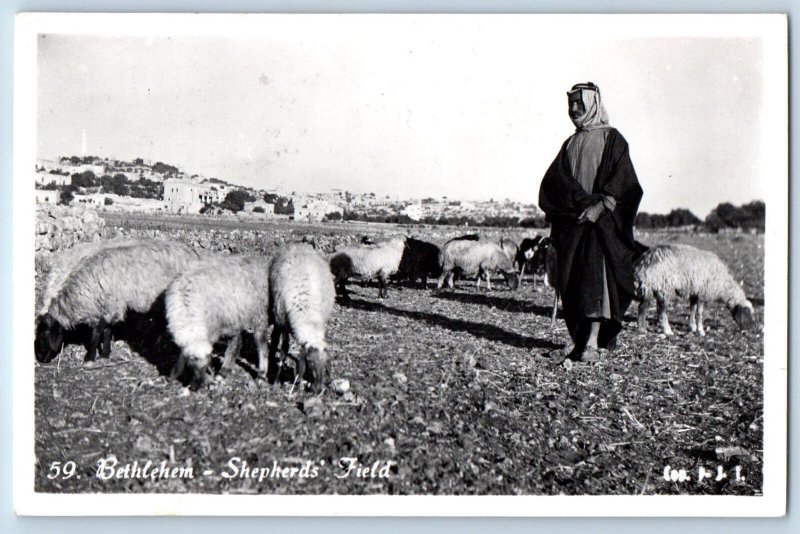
(773,30)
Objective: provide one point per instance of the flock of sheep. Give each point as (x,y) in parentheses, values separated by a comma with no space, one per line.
(200,300)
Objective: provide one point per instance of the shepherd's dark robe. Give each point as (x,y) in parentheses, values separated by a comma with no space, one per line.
(582,248)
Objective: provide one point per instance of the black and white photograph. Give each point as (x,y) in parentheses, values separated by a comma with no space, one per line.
(400,264)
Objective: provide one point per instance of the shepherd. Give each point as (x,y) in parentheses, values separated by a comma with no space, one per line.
(590,196)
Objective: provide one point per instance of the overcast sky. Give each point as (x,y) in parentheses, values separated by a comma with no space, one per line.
(468,107)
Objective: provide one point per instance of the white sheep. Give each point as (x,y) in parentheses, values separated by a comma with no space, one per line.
(476,257)
(686,271)
(218,297)
(301,297)
(64,261)
(381,260)
(103,287)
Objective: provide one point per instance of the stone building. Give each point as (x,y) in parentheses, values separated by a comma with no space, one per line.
(186,196)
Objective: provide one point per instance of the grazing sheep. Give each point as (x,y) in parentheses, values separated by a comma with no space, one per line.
(216,298)
(420,260)
(103,287)
(381,260)
(301,296)
(531,255)
(475,257)
(64,261)
(683,270)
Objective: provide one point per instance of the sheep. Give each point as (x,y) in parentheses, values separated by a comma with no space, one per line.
(686,271)
(420,259)
(216,298)
(471,257)
(381,260)
(63,262)
(531,254)
(301,296)
(103,287)
(510,247)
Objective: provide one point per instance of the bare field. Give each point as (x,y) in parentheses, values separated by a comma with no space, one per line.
(450,392)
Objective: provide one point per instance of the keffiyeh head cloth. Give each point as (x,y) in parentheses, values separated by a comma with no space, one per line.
(595,115)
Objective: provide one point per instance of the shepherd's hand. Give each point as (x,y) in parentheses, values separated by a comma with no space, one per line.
(592,213)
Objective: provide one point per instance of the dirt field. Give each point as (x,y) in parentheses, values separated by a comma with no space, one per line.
(450,393)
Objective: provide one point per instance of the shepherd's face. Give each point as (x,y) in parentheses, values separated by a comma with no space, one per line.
(576,107)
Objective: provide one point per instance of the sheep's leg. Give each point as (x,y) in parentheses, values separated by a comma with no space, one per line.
(644,305)
(231,353)
(383,284)
(179,367)
(693,314)
(700,310)
(663,315)
(554,312)
(478,281)
(300,360)
(488,279)
(522,273)
(450,280)
(262,346)
(440,282)
(94,341)
(105,342)
(273,364)
(342,285)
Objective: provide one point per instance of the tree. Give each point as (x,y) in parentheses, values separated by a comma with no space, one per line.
(235,200)
(682,217)
(333,216)
(84,179)
(66,196)
(108,201)
(258,209)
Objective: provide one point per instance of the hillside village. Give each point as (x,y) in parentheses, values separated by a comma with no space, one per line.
(152,187)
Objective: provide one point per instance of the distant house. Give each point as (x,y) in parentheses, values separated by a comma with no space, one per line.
(187,196)
(314,210)
(413,211)
(45,178)
(267,210)
(46,197)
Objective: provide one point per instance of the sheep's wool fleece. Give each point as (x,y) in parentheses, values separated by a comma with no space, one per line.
(470,256)
(687,271)
(583,248)
(383,258)
(301,294)
(218,297)
(114,280)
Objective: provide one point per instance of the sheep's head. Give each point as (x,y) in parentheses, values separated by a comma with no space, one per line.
(318,368)
(49,339)
(743,315)
(512,279)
